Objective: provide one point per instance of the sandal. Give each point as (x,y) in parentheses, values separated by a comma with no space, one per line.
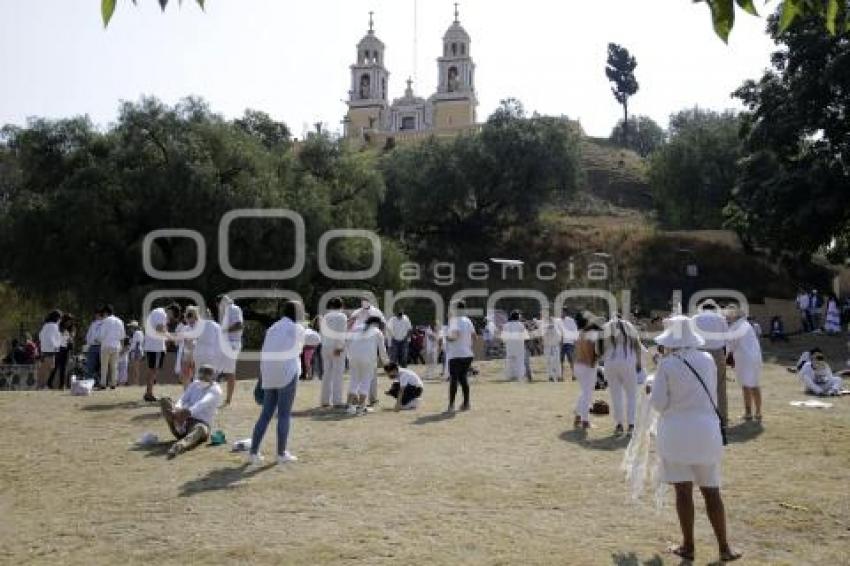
(681,552)
(730,555)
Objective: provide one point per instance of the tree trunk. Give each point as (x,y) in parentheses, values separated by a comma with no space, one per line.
(626,123)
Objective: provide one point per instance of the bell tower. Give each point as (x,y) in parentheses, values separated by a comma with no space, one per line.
(367,99)
(455,102)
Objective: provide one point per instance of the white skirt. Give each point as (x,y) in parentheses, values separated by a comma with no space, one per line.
(748,372)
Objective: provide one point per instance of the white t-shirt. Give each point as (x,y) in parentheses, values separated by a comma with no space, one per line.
(208,345)
(367,345)
(153,342)
(112,333)
(569,330)
(407,377)
(50,338)
(399,328)
(281,356)
(202,400)
(333,331)
(232,315)
(461,347)
(93,333)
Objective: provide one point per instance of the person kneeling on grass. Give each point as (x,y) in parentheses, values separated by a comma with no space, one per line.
(191,417)
(406,387)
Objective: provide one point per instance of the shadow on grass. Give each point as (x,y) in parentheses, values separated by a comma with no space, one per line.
(435,418)
(147,417)
(632,559)
(580,437)
(744,432)
(221,479)
(116,406)
(158,449)
(322,414)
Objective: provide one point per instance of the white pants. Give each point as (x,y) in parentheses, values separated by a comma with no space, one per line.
(333,367)
(553,361)
(109,366)
(586,377)
(362,376)
(622,381)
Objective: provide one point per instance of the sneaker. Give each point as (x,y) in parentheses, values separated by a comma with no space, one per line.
(287,458)
(255,459)
(150,398)
(175,451)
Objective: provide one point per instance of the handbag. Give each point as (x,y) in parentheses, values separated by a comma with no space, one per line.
(713,405)
(259,392)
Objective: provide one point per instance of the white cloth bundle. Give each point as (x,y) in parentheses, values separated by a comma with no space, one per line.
(82,387)
(641,463)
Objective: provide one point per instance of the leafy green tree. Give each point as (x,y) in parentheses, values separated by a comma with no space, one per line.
(620,70)
(791,194)
(107,8)
(646,135)
(693,175)
(828,13)
(462,199)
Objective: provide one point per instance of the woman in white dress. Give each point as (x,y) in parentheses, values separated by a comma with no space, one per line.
(514,335)
(833,316)
(743,345)
(621,351)
(690,445)
(432,350)
(553,338)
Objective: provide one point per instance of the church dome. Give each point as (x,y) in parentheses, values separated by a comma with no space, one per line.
(456,33)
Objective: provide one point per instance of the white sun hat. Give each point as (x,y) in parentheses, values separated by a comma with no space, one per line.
(679,333)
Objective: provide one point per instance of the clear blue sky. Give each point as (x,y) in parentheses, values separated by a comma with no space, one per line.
(291,58)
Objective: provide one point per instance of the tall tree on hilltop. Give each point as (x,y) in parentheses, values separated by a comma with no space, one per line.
(620,70)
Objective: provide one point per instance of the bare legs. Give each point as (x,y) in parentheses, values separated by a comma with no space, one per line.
(752,396)
(716,515)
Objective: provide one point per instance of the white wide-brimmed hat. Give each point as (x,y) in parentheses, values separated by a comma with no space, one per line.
(708,304)
(679,333)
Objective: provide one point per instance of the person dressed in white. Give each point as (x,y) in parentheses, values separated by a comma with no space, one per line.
(489,336)
(514,335)
(745,349)
(406,388)
(621,351)
(364,344)
(569,332)
(399,329)
(232,326)
(137,339)
(432,350)
(713,328)
(333,330)
(280,368)
(191,417)
(803,306)
(818,379)
(208,344)
(50,340)
(586,358)
(690,444)
(358,319)
(553,339)
(833,316)
(186,337)
(112,334)
(460,334)
(156,335)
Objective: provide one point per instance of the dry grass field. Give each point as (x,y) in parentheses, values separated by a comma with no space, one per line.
(508,483)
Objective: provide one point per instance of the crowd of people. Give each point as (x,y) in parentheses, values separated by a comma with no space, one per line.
(687,387)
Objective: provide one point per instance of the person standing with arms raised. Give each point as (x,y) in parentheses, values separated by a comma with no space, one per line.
(459,338)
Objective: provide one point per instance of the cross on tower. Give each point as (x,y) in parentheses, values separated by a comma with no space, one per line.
(457,14)
(371,22)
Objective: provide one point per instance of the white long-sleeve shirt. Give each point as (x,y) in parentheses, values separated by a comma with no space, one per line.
(569,330)
(280,361)
(93,333)
(367,345)
(334,326)
(743,343)
(688,427)
(112,332)
(208,345)
(202,400)
(50,339)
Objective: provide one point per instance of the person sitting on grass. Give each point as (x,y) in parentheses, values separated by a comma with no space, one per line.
(818,379)
(406,387)
(191,417)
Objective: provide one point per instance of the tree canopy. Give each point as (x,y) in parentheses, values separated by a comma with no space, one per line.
(792,191)
(645,135)
(620,70)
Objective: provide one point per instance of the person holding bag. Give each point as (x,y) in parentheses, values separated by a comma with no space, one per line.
(690,440)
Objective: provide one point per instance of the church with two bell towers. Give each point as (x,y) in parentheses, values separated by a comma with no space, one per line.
(451,109)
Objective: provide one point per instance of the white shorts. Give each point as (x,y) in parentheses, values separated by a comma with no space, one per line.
(704,475)
(228,359)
